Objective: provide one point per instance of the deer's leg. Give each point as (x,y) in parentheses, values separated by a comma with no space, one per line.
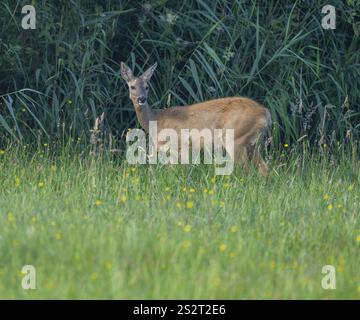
(255,157)
(240,155)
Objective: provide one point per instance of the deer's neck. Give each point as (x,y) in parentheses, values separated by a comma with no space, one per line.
(144,114)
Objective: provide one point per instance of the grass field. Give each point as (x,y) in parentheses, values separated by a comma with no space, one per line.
(99,228)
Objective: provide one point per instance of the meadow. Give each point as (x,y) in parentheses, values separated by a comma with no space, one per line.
(96,227)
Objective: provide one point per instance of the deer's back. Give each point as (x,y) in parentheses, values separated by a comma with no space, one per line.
(239,113)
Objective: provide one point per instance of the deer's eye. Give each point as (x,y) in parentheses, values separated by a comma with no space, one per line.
(147,88)
(132,87)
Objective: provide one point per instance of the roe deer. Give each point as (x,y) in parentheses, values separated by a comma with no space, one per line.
(248,118)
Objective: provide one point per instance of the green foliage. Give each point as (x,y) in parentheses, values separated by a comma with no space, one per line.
(55,80)
(99,228)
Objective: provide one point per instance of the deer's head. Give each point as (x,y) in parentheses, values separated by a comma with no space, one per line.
(138,86)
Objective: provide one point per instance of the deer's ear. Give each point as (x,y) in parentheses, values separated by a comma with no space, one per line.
(126,72)
(149,72)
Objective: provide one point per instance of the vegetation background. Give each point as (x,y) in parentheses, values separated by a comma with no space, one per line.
(57,79)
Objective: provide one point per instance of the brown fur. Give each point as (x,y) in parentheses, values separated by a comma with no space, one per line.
(247,117)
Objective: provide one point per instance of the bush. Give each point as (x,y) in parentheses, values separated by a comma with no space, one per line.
(56,80)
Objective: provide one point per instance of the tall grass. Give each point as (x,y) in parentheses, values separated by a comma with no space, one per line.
(99,228)
(56,80)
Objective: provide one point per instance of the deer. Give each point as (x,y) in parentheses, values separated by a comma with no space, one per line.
(248,118)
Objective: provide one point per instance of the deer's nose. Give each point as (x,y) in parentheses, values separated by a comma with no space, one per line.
(141,100)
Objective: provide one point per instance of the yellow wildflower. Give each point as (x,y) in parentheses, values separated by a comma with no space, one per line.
(187,228)
(234,229)
(216,282)
(10,217)
(49,284)
(94,276)
(222,247)
(108,265)
(98,202)
(58,236)
(189,204)
(186,245)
